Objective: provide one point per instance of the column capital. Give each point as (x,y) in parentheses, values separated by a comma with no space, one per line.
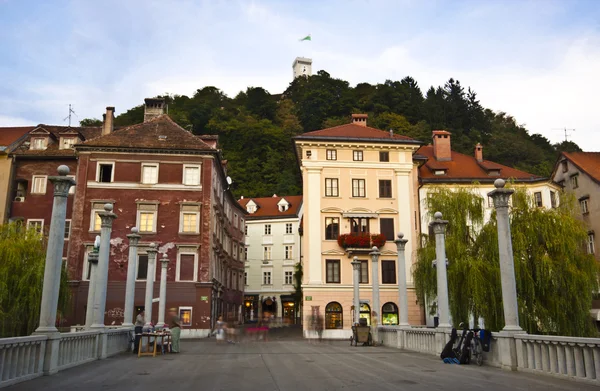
(375,253)
(439,225)
(107,216)
(355,263)
(62,183)
(152,250)
(401,242)
(500,195)
(164,260)
(133,237)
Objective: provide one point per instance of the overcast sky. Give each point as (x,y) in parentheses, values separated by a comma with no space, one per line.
(539,61)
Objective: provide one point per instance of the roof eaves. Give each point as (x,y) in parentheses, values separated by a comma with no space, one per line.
(363,139)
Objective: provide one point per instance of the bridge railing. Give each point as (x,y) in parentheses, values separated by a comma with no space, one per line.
(24,358)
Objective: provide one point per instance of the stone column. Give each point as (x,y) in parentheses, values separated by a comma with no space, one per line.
(56,243)
(101,277)
(375,269)
(93,261)
(313,220)
(164,262)
(150,283)
(439,228)
(402,290)
(501,196)
(356,280)
(134,238)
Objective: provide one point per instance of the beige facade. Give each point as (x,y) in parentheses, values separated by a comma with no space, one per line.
(343,180)
(5,181)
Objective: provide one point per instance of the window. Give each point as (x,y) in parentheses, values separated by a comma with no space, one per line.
(365,312)
(289,277)
(334,316)
(246,230)
(389,314)
(105,172)
(359,225)
(72,188)
(38,143)
(332,228)
(331,154)
(331,187)
(149,174)
(36,224)
(146,217)
(266,278)
(289,252)
(583,203)
(87,266)
(386,227)
(245,253)
(95,220)
(575,181)
(186,266)
(384,156)
(565,166)
(67,142)
(67,229)
(267,253)
(357,156)
(385,188)
(189,218)
(191,175)
(553,199)
(185,315)
(364,272)
(538,199)
(388,272)
(38,184)
(142,267)
(288,228)
(333,270)
(267,229)
(358,188)
(590,243)
(245,278)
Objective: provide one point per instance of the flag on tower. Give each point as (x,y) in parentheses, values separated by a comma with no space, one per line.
(307,38)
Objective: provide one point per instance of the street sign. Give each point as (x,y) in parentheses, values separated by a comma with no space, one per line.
(204,298)
(308,298)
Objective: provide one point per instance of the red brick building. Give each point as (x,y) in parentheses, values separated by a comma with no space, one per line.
(172,185)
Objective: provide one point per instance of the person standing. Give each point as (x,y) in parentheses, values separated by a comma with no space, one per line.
(175,328)
(139,328)
(220,330)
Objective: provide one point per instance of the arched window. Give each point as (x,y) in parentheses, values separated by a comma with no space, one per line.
(333,316)
(365,312)
(389,314)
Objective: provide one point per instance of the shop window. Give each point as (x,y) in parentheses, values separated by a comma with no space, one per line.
(389,314)
(334,316)
(185,315)
(365,312)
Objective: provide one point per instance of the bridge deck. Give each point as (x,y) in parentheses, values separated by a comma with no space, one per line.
(289,364)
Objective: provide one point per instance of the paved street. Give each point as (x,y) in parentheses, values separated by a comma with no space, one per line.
(289,364)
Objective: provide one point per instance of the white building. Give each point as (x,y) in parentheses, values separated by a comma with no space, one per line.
(302,67)
(272,251)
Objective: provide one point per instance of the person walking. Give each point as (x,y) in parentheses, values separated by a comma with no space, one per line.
(220,330)
(175,328)
(139,328)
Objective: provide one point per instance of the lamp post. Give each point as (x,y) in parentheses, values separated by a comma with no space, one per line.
(439,228)
(356,280)
(164,262)
(402,290)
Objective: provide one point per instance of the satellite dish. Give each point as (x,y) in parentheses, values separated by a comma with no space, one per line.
(229,181)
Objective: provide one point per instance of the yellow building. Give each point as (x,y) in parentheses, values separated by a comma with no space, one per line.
(358,182)
(9,137)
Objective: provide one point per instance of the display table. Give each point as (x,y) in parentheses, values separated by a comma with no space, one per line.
(165,341)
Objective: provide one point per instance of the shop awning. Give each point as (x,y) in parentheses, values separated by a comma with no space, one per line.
(359,215)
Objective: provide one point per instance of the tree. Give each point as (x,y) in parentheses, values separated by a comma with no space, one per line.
(552,269)
(23,257)
(90,122)
(297,295)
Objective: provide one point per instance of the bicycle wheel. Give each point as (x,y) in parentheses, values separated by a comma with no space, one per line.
(477,351)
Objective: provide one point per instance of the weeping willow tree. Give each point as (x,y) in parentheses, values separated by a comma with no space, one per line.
(22,261)
(555,277)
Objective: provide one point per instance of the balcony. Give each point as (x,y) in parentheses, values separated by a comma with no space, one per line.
(360,242)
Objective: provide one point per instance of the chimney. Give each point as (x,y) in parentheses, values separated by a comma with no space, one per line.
(360,119)
(441,145)
(479,152)
(153,108)
(109,121)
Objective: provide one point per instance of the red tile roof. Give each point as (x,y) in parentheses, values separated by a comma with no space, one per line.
(267,207)
(588,162)
(55,131)
(160,132)
(9,135)
(354,131)
(467,168)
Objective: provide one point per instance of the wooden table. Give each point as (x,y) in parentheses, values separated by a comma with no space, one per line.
(162,336)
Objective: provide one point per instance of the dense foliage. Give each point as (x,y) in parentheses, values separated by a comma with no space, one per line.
(21,280)
(553,271)
(255,127)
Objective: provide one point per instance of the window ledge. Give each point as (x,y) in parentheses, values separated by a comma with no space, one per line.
(37,193)
(189,233)
(385,198)
(334,197)
(147,233)
(360,198)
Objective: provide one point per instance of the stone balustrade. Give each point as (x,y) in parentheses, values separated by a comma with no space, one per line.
(22,358)
(388,335)
(420,340)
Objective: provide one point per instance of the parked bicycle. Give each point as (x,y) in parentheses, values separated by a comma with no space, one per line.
(469,348)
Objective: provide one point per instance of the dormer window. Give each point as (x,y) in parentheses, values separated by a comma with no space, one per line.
(494,172)
(38,143)
(283,205)
(251,207)
(67,142)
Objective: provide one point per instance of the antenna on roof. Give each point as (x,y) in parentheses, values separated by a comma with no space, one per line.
(71,111)
(565,130)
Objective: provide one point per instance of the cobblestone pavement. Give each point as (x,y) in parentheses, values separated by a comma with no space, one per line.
(289,364)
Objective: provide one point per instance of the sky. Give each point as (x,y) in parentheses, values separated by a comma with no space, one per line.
(538,61)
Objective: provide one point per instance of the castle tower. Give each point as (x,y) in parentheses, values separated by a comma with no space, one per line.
(302,67)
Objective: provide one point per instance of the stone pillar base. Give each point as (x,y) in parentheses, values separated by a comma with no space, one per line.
(51,354)
(507,348)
